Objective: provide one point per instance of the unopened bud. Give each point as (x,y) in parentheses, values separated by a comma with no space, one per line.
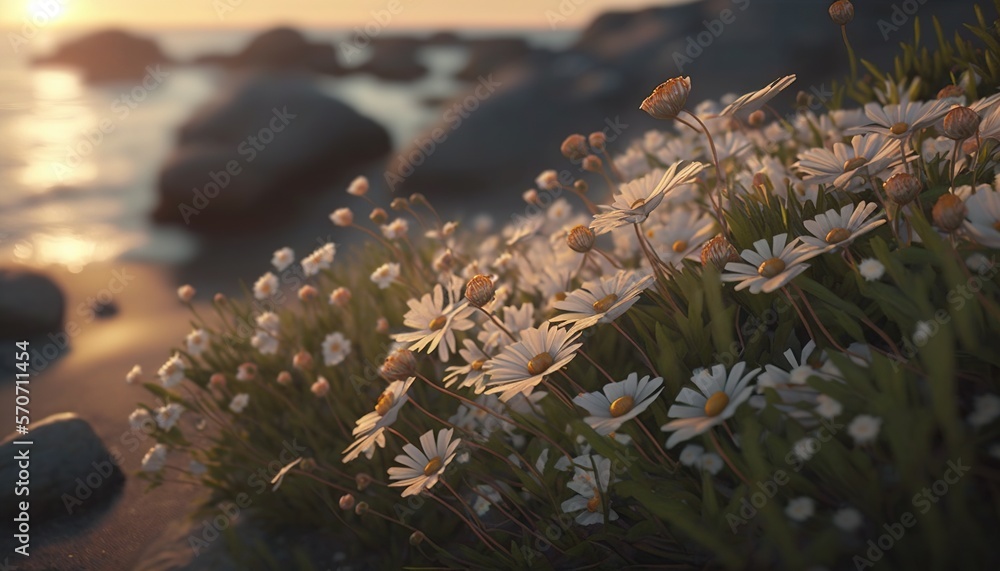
(347,502)
(574,147)
(398,365)
(948,212)
(303,361)
(398,203)
(340,297)
(668,99)
(718,252)
(219,298)
(417,198)
(950,91)
(284,378)
(378,216)
(961,123)
(581,186)
(308,293)
(592,163)
(598,141)
(479,291)
(530,196)
(358,186)
(381,326)
(217,380)
(902,188)
(186,293)
(362,481)
(842,12)
(321,387)
(361,508)
(580,239)
(756,119)
(417,537)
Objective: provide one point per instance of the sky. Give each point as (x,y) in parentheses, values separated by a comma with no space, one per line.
(545,14)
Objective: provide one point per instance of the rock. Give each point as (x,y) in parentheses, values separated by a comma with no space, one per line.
(395,59)
(488,55)
(245,157)
(30,304)
(281,49)
(110,55)
(70,469)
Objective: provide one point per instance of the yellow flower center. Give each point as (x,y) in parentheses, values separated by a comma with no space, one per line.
(638,203)
(679,246)
(855,163)
(899,128)
(433,465)
(771,267)
(561,296)
(594,503)
(837,235)
(539,363)
(384,403)
(477,365)
(605,303)
(621,406)
(716,404)
(437,323)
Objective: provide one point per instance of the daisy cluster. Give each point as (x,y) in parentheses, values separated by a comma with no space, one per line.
(755,295)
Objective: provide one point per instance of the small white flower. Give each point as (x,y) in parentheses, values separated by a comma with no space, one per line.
(167,416)
(358,187)
(548,180)
(864,428)
(134,375)
(485,497)
(591,488)
(239,402)
(828,407)
(922,333)
(340,297)
(396,229)
(172,372)
(369,430)
(264,342)
(269,321)
(618,402)
(336,348)
(197,342)
(521,366)
(711,463)
(265,286)
(800,509)
(385,274)
(321,387)
(155,459)
(834,230)
(718,396)
(986,409)
(691,455)
(871,269)
(772,264)
(342,217)
(422,468)
(139,418)
(434,319)
(602,300)
(848,519)
(320,259)
(282,258)
(805,448)
(186,293)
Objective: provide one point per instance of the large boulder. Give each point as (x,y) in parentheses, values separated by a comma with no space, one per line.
(281,49)
(31,304)
(244,157)
(110,55)
(395,59)
(488,55)
(69,469)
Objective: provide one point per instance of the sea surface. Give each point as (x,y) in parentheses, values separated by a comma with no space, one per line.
(71,196)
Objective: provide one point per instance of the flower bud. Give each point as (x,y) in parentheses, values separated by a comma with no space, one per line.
(186,293)
(321,387)
(842,12)
(217,380)
(342,217)
(381,326)
(961,123)
(361,508)
(479,291)
(668,99)
(398,365)
(307,464)
(303,361)
(902,188)
(547,180)
(340,297)
(219,298)
(598,141)
(592,163)
(362,481)
(950,91)
(530,196)
(762,181)
(581,186)
(756,119)
(970,146)
(417,198)
(803,99)
(246,372)
(580,239)
(399,203)
(378,216)
(948,212)
(347,502)
(284,378)
(574,147)
(308,293)
(417,537)
(358,186)
(718,252)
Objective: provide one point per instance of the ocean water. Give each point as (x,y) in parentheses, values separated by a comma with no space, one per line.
(71,195)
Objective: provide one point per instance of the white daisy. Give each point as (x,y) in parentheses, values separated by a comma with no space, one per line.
(846,166)
(475,376)
(636,199)
(369,430)
(711,463)
(521,366)
(691,455)
(266,286)
(385,274)
(239,402)
(197,342)
(264,342)
(167,416)
(155,459)
(983,217)
(772,265)
(515,320)
(871,269)
(485,497)
(342,217)
(804,448)
(396,229)
(832,230)
(902,119)
(591,488)
(717,398)
(320,259)
(336,348)
(618,402)
(800,509)
(682,235)
(602,300)
(435,318)
(139,418)
(828,407)
(358,187)
(422,468)
(864,428)
(172,372)
(282,258)
(747,104)
(269,321)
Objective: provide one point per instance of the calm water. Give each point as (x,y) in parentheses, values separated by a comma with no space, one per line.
(71,196)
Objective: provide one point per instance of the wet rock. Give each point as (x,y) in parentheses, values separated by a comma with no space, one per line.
(281,49)
(395,59)
(31,304)
(489,55)
(110,55)
(246,157)
(70,469)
